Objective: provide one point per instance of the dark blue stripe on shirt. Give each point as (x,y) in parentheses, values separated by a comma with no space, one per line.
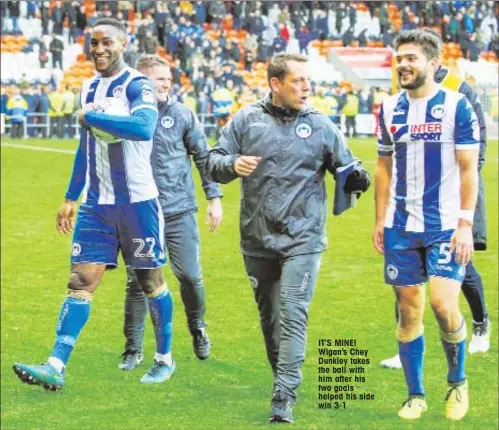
(400,218)
(117,82)
(93,190)
(433,169)
(118,173)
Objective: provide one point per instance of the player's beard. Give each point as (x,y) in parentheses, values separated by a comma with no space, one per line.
(418,81)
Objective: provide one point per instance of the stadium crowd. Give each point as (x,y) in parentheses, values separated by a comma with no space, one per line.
(214,46)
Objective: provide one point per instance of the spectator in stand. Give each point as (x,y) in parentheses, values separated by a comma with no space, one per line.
(468,17)
(273,14)
(365,101)
(31,9)
(352,15)
(436,12)
(72,14)
(473,48)
(488,28)
(341,12)
(125,7)
(237,8)
(284,16)
(14,13)
(384,21)
(4,98)
(150,43)
(81,20)
(144,6)
(216,11)
(45,17)
(362,38)
(76,98)
(406,17)
(42,110)
(56,48)
(57,16)
(17,109)
(93,18)
(278,45)
(172,39)
(464,41)
(160,17)
(348,37)
(32,99)
(249,57)
(284,32)
(42,54)
(133,54)
(176,72)
(189,100)
(446,33)
(87,36)
(350,108)
(494,45)
(3,17)
(456,27)
(67,111)
(203,104)
(199,13)
(387,37)
(56,113)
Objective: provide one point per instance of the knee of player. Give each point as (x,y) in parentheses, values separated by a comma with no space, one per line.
(82,280)
(190,279)
(442,306)
(132,283)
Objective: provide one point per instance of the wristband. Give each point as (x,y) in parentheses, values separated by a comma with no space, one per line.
(467,214)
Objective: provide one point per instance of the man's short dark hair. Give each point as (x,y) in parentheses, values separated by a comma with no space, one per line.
(430,42)
(112,22)
(278,66)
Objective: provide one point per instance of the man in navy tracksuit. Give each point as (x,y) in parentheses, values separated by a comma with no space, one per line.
(178,136)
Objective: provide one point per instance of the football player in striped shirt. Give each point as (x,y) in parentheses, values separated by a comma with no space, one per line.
(426,192)
(119,207)
(472,286)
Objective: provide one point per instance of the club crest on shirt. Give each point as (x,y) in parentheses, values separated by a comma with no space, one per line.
(253,282)
(147,95)
(303,130)
(438,111)
(392,272)
(167,122)
(118,91)
(76,249)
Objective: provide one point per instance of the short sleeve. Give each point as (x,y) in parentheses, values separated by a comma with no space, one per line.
(385,144)
(467,129)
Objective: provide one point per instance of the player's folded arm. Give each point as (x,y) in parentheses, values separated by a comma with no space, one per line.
(141,123)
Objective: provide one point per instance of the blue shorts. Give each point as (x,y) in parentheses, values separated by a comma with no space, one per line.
(135,228)
(411,257)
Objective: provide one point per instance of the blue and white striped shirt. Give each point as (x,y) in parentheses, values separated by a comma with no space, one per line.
(423,135)
(120,172)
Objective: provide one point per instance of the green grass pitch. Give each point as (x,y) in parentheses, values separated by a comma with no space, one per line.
(232,389)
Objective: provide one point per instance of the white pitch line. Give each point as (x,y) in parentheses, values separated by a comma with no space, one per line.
(38,148)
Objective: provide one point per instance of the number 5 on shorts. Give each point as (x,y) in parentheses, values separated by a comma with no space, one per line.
(445,253)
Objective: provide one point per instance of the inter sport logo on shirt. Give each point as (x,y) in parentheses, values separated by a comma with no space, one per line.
(429,132)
